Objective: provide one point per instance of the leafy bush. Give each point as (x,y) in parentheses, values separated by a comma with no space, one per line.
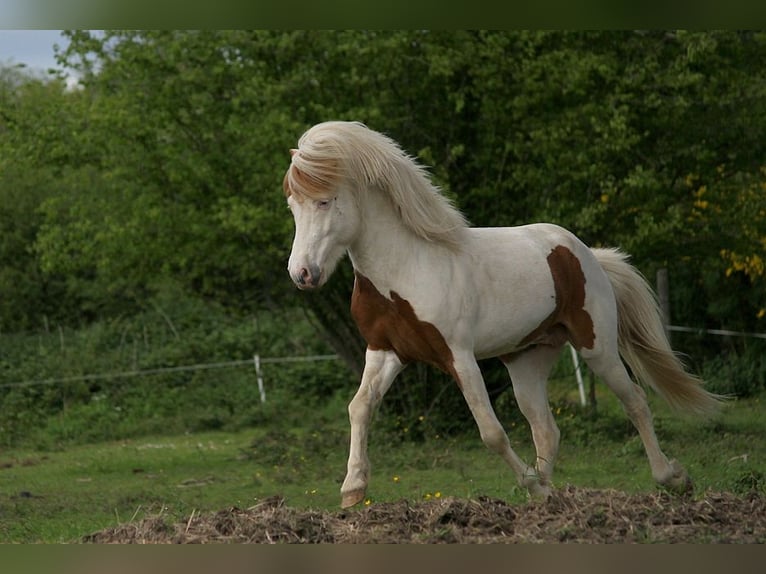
(736,374)
(49,395)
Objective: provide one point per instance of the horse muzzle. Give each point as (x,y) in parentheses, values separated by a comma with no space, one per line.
(308,277)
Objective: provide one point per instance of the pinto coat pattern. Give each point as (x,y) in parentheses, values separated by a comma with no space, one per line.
(431,288)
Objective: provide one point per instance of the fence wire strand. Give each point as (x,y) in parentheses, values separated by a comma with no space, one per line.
(164,370)
(277,360)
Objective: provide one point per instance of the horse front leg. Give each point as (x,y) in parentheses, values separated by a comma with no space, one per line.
(380,370)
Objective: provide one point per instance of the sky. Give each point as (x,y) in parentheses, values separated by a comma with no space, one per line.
(31,47)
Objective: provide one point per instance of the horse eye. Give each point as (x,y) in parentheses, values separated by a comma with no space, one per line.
(323,203)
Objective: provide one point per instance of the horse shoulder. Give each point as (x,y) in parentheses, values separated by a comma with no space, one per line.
(391,324)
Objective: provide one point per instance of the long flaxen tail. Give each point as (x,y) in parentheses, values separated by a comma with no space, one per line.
(643,343)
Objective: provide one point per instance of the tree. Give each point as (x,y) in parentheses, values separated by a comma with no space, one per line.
(188,178)
(36,118)
(652,141)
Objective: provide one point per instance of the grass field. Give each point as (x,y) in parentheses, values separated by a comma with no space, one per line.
(61,495)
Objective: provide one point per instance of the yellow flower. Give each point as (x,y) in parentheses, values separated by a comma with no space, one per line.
(761,313)
(395,478)
(604,198)
(437,494)
(367,502)
(427,496)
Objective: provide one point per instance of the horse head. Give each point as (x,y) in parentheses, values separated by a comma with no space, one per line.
(325,214)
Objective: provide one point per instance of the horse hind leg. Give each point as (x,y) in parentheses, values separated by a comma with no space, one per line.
(529,373)
(610,368)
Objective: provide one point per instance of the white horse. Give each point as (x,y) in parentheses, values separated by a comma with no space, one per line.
(430,288)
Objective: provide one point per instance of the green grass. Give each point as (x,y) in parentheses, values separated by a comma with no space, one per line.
(61,495)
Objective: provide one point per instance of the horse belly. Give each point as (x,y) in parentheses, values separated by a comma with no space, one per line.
(515,294)
(516,328)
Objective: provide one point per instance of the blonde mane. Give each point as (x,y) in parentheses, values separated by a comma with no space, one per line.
(334,150)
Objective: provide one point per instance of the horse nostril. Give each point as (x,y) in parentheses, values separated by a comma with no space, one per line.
(307,277)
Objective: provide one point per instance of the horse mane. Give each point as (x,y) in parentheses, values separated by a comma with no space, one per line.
(330,151)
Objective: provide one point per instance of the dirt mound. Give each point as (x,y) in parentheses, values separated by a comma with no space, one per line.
(570,515)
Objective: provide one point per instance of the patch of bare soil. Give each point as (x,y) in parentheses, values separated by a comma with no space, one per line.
(573,515)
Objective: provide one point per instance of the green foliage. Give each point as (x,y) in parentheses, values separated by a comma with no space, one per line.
(181,137)
(52,392)
(28,294)
(736,375)
(165,167)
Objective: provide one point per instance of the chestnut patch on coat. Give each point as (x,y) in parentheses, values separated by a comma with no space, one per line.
(569,285)
(391,325)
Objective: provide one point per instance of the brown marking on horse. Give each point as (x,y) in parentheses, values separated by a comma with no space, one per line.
(391,325)
(569,319)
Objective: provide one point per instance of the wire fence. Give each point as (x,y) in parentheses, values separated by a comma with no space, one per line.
(719,332)
(257,361)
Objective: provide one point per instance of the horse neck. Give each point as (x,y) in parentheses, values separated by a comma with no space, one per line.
(386,250)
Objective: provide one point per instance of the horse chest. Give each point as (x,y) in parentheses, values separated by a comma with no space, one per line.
(392,325)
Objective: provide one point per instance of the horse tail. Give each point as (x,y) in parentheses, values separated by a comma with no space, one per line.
(643,343)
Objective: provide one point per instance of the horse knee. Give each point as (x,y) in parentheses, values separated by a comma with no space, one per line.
(359,408)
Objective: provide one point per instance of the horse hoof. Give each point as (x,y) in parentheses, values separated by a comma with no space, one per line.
(349,499)
(536,489)
(540,492)
(679,482)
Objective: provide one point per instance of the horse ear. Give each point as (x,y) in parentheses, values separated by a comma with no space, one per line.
(293,152)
